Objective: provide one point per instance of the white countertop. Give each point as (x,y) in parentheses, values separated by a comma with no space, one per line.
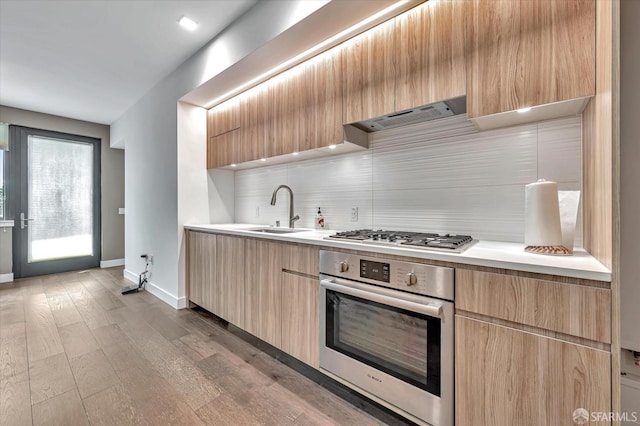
(491,254)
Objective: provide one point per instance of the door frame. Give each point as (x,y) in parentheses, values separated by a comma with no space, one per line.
(17,198)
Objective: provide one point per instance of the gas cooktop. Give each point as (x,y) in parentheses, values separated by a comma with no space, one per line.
(419,240)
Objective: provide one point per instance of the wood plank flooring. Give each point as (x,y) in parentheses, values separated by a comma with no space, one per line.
(74,351)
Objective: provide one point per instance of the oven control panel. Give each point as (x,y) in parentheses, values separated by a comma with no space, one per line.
(419,278)
(377,271)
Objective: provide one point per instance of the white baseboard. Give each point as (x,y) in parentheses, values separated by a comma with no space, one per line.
(6,278)
(162,294)
(111,263)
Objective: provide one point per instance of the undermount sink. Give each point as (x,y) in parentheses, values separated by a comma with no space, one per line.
(277,230)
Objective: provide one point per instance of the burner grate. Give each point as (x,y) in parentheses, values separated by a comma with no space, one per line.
(425,240)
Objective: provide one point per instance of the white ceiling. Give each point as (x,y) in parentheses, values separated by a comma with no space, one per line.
(93,59)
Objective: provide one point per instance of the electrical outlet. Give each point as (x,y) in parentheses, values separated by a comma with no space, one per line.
(354,214)
(257,211)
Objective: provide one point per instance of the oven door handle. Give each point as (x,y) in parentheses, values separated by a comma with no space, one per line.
(384,296)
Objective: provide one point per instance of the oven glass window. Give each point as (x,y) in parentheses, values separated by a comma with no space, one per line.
(398,342)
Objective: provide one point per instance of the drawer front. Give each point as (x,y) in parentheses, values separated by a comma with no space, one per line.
(565,308)
(301,258)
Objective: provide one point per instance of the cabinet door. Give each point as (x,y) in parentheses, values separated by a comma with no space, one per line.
(369,74)
(527,53)
(507,377)
(201,256)
(223,118)
(287,105)
(223,150)
(229,276)
(300,317)
(430,61)
(323,92)
(263,290)
(254,116)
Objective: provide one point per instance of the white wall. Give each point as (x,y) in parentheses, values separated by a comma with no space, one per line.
(149,133)
(441,176)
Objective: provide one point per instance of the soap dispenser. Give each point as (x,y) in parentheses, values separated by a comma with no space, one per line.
(319,220)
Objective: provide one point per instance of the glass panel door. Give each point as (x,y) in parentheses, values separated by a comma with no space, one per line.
(55,201)
(60,199)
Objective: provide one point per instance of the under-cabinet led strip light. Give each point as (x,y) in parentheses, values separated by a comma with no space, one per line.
(315,49)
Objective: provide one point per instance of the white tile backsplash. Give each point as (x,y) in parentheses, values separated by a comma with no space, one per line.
(441,176)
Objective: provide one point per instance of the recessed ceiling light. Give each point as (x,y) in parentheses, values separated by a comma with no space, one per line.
(332,147)
(263,159)
(294,153)
(187,23)
(521,110)
(233,165)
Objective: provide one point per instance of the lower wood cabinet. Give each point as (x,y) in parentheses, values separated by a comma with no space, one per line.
(507,377)
(229,279)
(301,258)
(263,294)
(213,274)
(201,253)
(300,317)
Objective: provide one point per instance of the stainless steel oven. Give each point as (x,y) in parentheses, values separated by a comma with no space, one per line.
(386,328)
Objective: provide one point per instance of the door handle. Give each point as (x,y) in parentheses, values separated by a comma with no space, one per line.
(23,220)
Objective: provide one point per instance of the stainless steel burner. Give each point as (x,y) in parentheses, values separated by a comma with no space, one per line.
(419,240)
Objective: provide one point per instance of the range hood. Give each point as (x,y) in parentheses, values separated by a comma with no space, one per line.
(421,114)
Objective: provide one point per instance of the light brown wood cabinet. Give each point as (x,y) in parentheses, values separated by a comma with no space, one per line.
(323,91)
(300,326)
(576,310)
(201,253)
(263,290)
(229,278)
(507,377)
(301,259)
(526,53)
(223,149)
(269,289)
(430,54)
(223,118)
(529,350)
(369,73)
(287,127)
(223,137)
(213,274)
(254,119)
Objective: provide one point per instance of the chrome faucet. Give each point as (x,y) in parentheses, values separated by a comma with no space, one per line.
(292,218)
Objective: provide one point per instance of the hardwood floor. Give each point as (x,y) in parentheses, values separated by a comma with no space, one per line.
(74,351)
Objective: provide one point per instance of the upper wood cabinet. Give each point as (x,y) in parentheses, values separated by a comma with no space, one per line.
(369,73)
(287,121)
(223,138)
(223,149)
(527,53)
(223,118)
(429,54)
(254,129)
(323,91)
